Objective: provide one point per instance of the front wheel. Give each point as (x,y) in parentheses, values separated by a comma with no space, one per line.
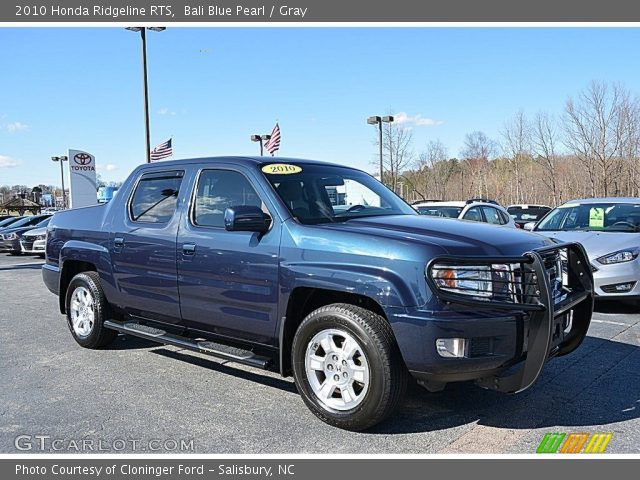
(87,309)
(347,366)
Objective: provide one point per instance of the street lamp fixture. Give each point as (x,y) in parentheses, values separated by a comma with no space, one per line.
(378,120)
(260,138)
(62,159)
(143,35)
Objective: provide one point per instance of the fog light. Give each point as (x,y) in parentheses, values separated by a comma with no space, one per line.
(619,287)
(451,347)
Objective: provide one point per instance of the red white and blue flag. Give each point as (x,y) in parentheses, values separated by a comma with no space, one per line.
(162,151)
(273,144)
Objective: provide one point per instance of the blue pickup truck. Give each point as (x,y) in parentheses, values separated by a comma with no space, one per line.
(318,271)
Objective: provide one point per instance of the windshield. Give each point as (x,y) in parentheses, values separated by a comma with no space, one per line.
(608,217)
(26,221)
(8,221)
(530,214)
(323,193)
(440,211)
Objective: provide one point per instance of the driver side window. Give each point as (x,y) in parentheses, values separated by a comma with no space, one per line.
(218,190)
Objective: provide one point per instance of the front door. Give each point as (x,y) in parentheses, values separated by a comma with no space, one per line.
(228,281)
(143,248)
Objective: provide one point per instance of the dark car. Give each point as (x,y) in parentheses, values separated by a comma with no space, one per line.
(10,237)
(318,271)
(8,221)
(523,214)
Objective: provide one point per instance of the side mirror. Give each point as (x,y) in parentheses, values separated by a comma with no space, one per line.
(246,218)
(529,226)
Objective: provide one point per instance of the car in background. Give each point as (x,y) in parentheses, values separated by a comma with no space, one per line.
(10,237)
(106,194)
(609,230)
(475,210)
(33,241)
(526,213)
(4,217)
(8,221)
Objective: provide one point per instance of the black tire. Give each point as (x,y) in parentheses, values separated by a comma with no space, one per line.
(388,374)
(15,253)
(99,336)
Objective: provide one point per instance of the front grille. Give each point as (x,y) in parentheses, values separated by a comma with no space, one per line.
(27,244)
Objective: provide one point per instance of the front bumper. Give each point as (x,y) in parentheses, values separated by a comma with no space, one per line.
(606,277)
(539,327)
(31,246)
(10,245)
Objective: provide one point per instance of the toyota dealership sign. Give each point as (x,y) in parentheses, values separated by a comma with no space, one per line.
(82,174)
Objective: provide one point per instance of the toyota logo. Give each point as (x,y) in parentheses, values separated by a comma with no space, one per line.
(82,158)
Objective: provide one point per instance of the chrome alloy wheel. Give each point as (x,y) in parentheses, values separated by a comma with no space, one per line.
(82,308)
(337,369)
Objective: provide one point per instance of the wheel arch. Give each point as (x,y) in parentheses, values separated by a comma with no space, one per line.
(304,300)
(77,257)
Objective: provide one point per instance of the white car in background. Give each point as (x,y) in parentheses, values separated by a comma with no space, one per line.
(609,230)
(475,210)
(34,241)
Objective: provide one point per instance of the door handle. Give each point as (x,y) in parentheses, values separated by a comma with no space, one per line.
(118,243)
(188,248)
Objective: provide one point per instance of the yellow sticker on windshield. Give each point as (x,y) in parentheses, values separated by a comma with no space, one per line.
(596,217)
(281,169)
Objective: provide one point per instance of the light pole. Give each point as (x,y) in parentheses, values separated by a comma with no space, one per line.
(62,159)
(378,120)
(260,138)
(143,35)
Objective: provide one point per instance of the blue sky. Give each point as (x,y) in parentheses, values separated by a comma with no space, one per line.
(211,88)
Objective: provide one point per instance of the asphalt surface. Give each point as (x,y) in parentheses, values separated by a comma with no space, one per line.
(143,397)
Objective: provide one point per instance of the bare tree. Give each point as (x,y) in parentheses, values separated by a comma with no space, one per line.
(545,138)
(397,152)
(477,150)
(516,134)
(594,126)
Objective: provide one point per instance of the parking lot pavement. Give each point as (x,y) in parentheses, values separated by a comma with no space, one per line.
(122,397)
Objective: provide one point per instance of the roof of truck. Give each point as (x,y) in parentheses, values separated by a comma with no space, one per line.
(246,160)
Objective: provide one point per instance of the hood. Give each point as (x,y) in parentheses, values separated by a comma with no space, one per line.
(597,244)
(34,232)
(455,237)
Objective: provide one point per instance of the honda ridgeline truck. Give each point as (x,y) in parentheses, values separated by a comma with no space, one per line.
(318,271)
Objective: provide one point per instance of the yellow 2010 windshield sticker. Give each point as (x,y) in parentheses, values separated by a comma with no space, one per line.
(596,217)
(281,169)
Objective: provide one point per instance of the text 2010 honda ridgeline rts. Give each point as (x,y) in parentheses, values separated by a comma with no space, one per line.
(319,271)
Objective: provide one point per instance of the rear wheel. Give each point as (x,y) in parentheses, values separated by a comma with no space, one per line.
(87,309)
(347,366)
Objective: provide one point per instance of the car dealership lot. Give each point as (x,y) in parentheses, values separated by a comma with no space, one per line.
(143,396)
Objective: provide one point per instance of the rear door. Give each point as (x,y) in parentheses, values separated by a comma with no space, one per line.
(228,281)
(143,248)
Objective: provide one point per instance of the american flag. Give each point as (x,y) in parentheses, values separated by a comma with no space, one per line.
(162,151)
(273,144)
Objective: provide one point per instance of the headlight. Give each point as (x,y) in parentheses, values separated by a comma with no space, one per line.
(619,257)
(9,236)
(481,281)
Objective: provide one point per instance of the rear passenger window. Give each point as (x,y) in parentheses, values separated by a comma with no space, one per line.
(218,190)
(156,197)
(492,215)
(473,214)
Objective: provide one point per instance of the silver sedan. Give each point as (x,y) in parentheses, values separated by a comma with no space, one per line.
(609,230)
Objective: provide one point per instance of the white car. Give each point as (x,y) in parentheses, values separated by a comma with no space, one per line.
(34,241)
(475,210)
(609,230)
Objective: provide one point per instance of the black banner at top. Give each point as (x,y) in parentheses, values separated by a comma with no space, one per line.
(306,11)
